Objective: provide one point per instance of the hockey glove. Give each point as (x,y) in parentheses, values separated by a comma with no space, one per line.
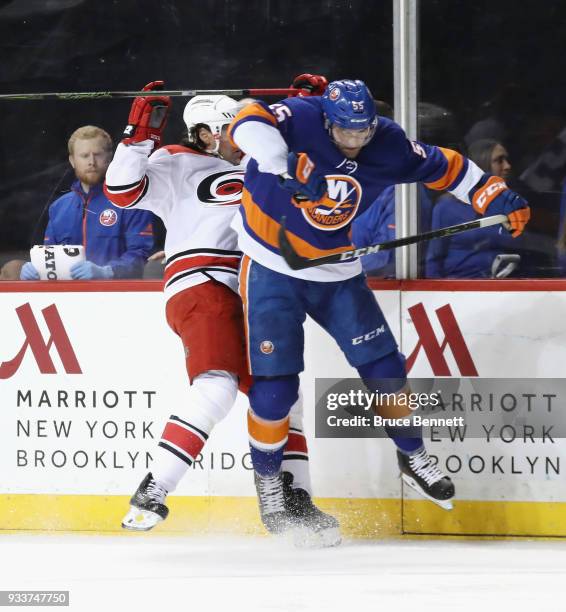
(495,198)
(148,117)
(86,270)
(310,84)
(28,272)
(302,180)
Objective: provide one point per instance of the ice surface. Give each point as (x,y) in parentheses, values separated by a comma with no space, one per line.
(140,572)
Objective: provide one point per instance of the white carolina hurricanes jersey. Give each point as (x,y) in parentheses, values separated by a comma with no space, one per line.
(196,195)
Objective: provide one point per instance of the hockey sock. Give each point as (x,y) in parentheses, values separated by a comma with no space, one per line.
(407,439)
(211,396)
(388,375)
(296,460)
(295,453)
(267,440)
(181,443)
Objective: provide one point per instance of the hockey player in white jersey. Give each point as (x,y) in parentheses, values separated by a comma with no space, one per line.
(196,189)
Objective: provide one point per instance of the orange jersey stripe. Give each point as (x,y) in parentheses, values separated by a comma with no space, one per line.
(267,432)
(251,110)
(455,165)
(267,229)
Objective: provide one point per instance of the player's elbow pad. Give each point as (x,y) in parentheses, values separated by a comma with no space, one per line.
(265,144)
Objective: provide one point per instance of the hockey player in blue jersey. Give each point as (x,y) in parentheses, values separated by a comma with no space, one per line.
(319,162)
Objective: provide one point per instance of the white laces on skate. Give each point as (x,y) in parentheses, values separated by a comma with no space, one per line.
(270,492)
(422,465)
(156,491)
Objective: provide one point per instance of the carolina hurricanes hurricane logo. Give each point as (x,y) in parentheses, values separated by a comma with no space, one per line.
(221,189)
(340,205)
(108,217)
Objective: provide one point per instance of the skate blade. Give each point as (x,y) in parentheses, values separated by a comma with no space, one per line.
(445,504)
(307,538)
(140,520)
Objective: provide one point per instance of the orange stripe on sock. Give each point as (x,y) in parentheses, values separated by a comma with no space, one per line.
(267,432)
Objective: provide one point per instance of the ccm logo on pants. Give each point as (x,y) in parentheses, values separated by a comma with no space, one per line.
(369,336)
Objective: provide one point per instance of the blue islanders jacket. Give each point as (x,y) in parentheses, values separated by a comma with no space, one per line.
(122,239)
(470,254)
(377,224)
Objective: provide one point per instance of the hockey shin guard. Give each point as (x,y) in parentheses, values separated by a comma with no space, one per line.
(211,396)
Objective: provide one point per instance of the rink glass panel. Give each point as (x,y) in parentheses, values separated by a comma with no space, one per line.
(492,69)
(206,44)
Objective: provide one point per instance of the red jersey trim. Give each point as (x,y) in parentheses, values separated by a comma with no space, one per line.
(192,262)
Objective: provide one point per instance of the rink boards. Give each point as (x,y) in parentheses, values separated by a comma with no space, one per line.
(89,372)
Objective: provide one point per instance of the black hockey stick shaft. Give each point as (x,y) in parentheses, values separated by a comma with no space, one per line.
(187,93)
(297,262)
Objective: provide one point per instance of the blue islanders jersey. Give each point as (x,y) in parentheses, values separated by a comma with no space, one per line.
(323,228)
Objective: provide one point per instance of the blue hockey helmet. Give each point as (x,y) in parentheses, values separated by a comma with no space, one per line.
(348,105)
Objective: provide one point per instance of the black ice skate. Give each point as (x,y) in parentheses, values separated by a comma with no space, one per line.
(271,501)
(313,528)
(419,472)
(146,506)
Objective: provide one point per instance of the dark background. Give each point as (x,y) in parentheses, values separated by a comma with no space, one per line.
(470,53)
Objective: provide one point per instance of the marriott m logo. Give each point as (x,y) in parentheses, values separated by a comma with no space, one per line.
(41,348)
(434,349)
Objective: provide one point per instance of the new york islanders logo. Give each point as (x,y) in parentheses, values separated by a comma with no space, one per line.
(338,207)
(334,94)
(108,217)
(221,189)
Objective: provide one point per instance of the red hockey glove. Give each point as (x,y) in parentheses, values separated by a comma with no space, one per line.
(495,198)
(310,84)
(148,116)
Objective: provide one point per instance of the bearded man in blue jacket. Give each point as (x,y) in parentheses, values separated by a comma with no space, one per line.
(117,242)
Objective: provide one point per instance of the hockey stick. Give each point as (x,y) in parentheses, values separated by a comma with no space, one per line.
(189,93)
(296,262)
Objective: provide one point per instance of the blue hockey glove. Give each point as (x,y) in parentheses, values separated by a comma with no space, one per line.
(86,270)
(515,207)
(302,180)
(28,272)
(495,198)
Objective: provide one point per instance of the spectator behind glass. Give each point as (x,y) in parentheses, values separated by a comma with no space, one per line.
(117,242)
(473,254)
(503,117)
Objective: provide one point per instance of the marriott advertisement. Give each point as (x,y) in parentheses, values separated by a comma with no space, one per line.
(88,380)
